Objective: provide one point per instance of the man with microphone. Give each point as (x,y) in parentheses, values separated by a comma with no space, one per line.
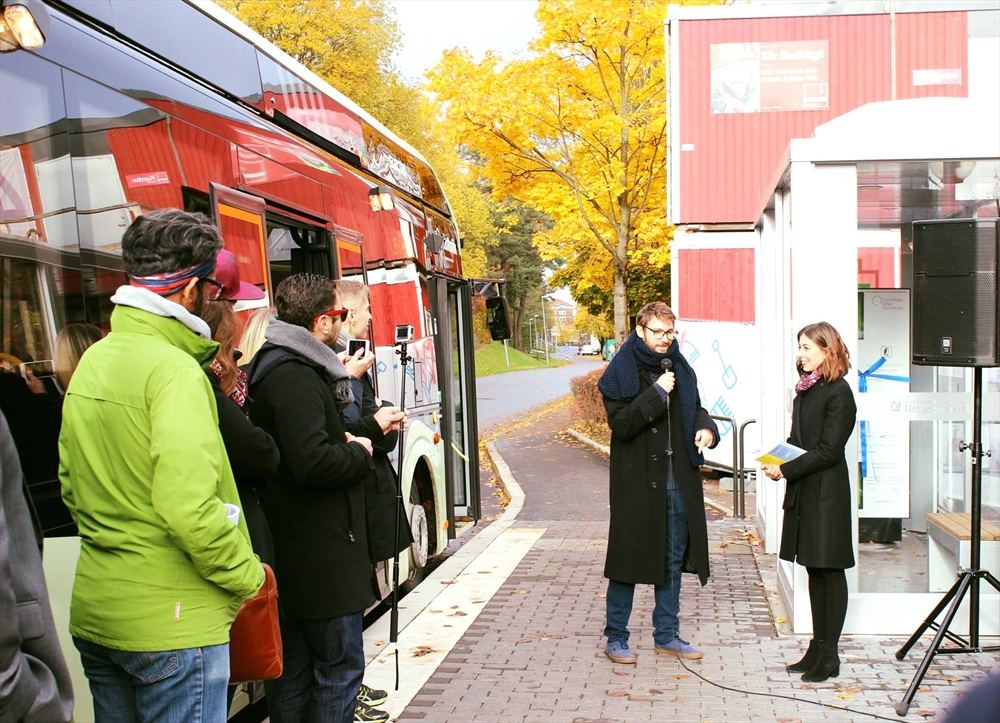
(658,433)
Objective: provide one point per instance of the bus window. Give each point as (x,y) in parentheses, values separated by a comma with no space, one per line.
(240,218)
(42,330)
(350,255)
(295,247)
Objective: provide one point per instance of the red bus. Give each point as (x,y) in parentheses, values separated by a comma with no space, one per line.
(134,105)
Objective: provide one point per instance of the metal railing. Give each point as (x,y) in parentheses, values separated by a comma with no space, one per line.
(737,470)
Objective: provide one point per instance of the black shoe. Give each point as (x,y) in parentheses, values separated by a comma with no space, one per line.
(371,696)
(809,660)
(828,666)
(365,713)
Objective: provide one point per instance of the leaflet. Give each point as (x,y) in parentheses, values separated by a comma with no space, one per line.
(779,454)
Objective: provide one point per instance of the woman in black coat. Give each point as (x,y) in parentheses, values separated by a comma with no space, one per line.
(817,520)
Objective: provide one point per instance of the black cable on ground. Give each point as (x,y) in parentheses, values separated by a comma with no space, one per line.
(831,706)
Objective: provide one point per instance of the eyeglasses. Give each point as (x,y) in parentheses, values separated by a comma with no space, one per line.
(661,333)
(218,289)
(332,313)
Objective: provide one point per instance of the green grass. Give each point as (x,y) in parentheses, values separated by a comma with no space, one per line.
(490,360)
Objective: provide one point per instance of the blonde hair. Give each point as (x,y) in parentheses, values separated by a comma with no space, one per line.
(71,341)
(838,359)
(253,333)
(352,294)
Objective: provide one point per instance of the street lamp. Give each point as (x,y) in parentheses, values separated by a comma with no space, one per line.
(545,333)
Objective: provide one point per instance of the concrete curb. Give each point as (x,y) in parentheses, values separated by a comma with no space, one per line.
(606,450)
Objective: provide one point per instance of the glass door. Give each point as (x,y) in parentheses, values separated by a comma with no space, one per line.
(457,372)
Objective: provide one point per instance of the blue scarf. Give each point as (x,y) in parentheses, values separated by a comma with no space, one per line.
(620,382)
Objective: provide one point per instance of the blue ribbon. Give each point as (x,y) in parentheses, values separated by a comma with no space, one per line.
(863,377)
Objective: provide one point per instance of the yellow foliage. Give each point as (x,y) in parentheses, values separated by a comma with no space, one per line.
(577,131)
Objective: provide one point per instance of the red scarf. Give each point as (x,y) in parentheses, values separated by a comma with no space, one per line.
(807,380)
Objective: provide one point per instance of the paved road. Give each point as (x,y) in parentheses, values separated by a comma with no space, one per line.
(501,396)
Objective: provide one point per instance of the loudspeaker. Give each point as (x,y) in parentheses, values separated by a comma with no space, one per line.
(956,305)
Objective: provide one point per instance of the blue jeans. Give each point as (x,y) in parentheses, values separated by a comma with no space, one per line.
(173,686)
(324,661)
(666,625)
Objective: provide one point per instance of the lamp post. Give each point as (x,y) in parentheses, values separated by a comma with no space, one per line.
(545,333)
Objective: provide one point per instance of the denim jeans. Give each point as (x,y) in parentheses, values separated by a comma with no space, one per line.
(666,625)
(324,661)
(173,686)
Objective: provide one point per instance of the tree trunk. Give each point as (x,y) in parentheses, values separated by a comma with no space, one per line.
(621,307)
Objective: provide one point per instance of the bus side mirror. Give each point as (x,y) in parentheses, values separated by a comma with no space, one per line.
(498,318)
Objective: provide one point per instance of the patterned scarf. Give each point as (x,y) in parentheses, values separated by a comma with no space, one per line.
(620,382)
(808,380)
(241,392)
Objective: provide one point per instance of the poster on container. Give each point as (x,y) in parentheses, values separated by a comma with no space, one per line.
(764,77)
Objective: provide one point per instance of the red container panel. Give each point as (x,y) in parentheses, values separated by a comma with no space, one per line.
(728,160)
(715,284)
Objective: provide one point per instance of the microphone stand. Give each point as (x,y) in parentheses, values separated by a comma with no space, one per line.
(404,359)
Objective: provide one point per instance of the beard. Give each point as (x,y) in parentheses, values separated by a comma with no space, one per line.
(198,305)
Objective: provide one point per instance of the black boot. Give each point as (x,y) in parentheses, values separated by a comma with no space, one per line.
(809,660)
(828,666)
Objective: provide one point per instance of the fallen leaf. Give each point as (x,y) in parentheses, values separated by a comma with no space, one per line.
(682,676)
(618,693)
(925,713)
(621,673)
(422,650)
(524,640)
(781,620)
(845,696)
(448,582)
(656,691)
(458,614)
(790,720)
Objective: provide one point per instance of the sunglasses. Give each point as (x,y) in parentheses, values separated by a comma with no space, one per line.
(216,291)
(332,313)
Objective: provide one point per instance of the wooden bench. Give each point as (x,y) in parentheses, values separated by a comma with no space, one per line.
(949,547)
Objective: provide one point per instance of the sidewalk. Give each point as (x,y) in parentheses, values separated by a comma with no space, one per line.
(532,649)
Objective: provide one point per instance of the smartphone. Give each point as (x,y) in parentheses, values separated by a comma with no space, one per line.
(44,368)
(354,344)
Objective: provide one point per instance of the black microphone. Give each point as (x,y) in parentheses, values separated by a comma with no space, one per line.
(667,365)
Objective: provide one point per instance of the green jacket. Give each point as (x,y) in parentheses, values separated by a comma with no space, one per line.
(145,474)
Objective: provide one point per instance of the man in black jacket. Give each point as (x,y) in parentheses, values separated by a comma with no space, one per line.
(658,528)
(314,504)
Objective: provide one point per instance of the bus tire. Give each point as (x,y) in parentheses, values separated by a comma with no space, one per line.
(421,536)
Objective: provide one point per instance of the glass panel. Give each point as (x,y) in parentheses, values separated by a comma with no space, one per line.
(899,550)
(36,188)
(458,450)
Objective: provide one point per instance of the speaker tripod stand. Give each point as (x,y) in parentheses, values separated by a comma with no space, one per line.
(968,581)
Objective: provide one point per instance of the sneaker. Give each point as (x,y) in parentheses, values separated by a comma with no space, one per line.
(365,714)
(372,697)
(619,652)
(680,648)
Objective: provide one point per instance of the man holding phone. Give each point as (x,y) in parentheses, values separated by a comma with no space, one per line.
(380,421)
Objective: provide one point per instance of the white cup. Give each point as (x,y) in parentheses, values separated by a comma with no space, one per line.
(232,513)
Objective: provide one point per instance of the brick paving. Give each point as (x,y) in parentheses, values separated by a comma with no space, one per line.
(535,653)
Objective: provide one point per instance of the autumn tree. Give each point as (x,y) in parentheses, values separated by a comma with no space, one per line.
(515,258)
(577,131)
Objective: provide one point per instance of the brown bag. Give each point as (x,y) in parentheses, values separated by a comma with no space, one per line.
(255,638)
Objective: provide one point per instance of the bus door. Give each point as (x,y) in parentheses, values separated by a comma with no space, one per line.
(452,300)
(240,218)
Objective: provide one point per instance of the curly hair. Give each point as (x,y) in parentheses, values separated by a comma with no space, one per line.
(838,359)
(169,240)
(300,298)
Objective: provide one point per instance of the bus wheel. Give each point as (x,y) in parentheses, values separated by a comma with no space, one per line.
(421,537)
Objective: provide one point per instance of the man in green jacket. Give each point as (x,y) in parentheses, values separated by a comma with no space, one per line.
(162,572)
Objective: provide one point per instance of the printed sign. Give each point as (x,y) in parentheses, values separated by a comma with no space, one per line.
(758,77)
(155,178)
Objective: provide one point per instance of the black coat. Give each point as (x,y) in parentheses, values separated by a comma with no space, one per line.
(817,521)
(637,534)
(315,501)
(254,457)
(380,487)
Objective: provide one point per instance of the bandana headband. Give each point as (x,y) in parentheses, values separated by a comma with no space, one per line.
(169,283)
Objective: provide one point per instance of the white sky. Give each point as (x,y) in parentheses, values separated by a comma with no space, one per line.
(430,27)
